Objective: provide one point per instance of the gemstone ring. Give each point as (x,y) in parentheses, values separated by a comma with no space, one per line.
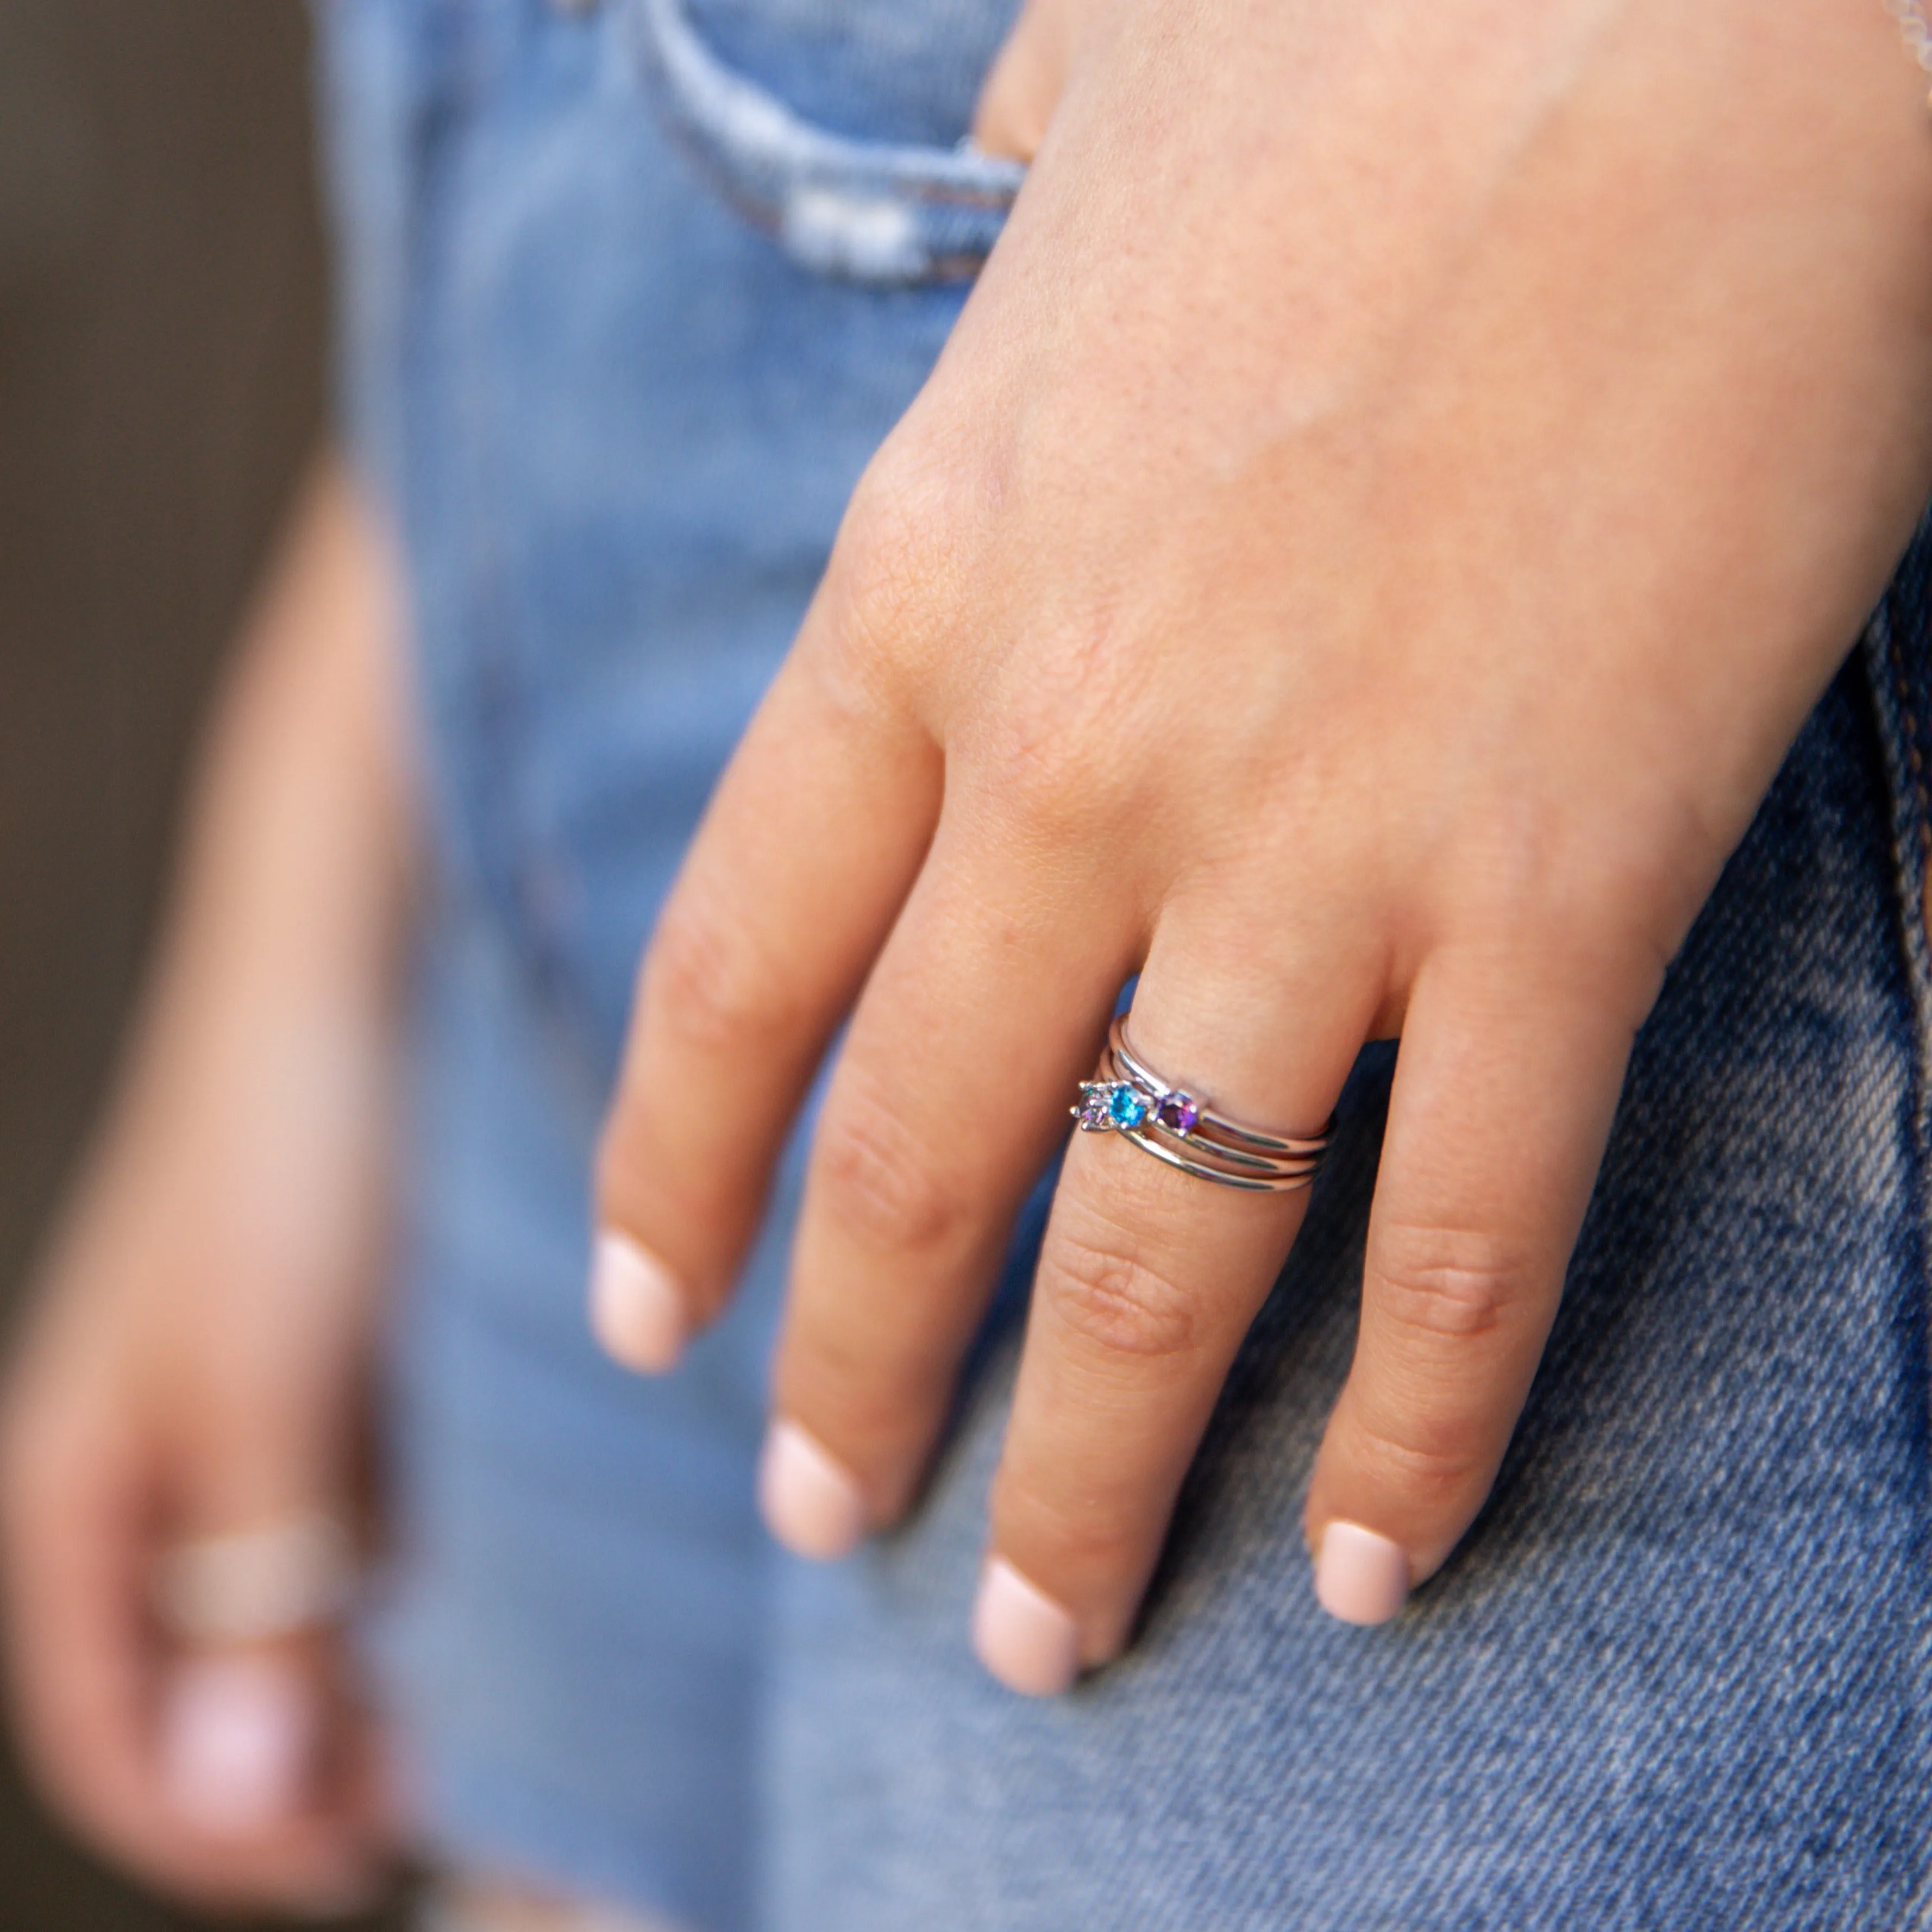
(1132,1100)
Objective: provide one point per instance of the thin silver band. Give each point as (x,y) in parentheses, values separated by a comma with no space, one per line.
(255,1584)
(1132,1067)
(1181,1129)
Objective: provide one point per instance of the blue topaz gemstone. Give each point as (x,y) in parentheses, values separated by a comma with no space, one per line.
(1112,1104)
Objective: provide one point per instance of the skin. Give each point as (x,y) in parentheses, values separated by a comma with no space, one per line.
(1390,502)
(193,1364)
(1393,495)
(491,1905)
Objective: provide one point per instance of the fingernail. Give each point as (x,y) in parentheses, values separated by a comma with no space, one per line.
(636,1312)
(1361,1577)
(235,1737)
(1026,1640)
(810,1500)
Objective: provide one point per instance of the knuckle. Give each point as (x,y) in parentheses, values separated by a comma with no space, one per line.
(1043,723)
(1055,785)
(897,546)
(1507,859)
(1079,1535)
(708,981)
(1452,1284)
(879,1180)
(1049,753)
(1569,906)
(1433,1464)
(1117,1299)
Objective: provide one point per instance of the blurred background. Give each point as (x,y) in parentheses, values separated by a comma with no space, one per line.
(162,324)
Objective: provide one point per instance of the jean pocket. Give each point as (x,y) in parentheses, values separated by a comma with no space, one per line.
(883,212)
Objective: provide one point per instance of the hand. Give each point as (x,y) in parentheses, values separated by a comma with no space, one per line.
(1399,484)
(194,1368)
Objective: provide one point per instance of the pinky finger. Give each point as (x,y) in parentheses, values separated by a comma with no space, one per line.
(1505,1090)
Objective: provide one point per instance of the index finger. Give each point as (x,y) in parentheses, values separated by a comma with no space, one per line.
(804,858)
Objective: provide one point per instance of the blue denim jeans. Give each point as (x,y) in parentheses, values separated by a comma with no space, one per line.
(630,294)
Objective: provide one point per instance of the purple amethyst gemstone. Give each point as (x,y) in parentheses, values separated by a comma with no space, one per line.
(1181,1112)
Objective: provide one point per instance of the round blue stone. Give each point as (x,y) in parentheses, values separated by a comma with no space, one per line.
(1126,1108)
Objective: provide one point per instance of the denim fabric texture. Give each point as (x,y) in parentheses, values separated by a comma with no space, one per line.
(1675,1677)
(615,422)
(876,210)
(630,295)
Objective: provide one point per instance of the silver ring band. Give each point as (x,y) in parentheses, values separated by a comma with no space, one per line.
(1180,1128)
(253,1585)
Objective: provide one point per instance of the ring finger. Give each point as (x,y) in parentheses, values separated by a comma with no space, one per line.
(1148,1280)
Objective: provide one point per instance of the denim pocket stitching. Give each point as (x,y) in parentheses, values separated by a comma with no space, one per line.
(876,211)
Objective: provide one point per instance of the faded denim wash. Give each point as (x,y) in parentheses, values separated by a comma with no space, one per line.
(630,294)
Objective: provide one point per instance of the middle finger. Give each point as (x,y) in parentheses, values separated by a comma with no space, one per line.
(982,1013)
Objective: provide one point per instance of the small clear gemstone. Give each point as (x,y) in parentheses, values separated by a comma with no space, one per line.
(1092,1111)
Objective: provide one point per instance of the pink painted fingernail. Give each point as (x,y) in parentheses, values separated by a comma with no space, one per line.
(636,1312)
(810,1500)
(236,1737)
(1361,1577)
(1026,1640)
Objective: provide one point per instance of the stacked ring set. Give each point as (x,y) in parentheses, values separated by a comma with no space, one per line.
(1132,1100)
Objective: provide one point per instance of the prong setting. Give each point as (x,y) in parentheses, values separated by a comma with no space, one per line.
(1180,1129)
